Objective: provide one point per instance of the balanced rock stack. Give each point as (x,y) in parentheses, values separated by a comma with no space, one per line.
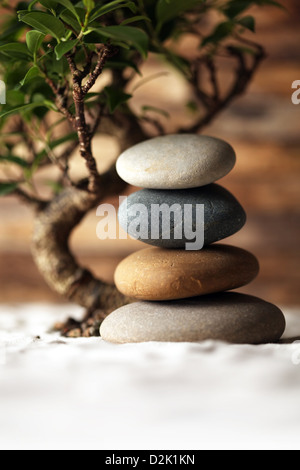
(180,292)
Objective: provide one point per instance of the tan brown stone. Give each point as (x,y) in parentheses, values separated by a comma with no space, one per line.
(160,274)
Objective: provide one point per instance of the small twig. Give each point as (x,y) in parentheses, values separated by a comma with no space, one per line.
(158,126)
(62,165)
(97,120)
(211,66)
(64,156)
(24,196)
(243,76)
(33,201)
(252,44)
(65,177)
(89,60)
(79,122)
(103,54)
(195,82)
(84,136)
(60,98)
(146,80)
(72,65)
(29,142)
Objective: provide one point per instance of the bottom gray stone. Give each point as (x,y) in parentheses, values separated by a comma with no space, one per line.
(229,316)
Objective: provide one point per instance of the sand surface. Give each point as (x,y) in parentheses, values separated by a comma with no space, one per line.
(59,393)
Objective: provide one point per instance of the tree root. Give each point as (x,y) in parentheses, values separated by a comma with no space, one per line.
(88,327)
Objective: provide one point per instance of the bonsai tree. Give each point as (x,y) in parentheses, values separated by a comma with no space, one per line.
(52,53)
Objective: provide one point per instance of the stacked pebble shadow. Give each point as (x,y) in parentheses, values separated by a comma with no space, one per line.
(181,295)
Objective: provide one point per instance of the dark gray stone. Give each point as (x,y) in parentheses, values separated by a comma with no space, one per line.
(223,215)
(231,317)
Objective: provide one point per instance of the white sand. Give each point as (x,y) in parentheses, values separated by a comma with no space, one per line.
(88,394)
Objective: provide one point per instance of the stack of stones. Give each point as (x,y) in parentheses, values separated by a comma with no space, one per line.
(180,294)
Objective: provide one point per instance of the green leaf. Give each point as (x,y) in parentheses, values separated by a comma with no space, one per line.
(7,188)
(64,47)
(167,10)
(192,106)
(115,97)
(63,140)
(91,95)
(30,75)
(131,6)
(50,4)
(148,79)
(248,22)
(69,18)
(111,6)
(89,5)
(45,23)
(122,64)
(25,107)
(34,40)
(13,159)
(235,7)
(179,62)
(134,19)
(270,3)
(22,13)
(15,50)
(127,34)
(53,145)
(32,4)
(154,109)
(56,186)
(11,32)
(69,6)
(222,31)
(15,98)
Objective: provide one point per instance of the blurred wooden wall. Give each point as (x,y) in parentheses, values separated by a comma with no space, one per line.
(263,126)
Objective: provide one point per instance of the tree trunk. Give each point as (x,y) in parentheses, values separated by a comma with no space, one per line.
(56,220)
(50,248)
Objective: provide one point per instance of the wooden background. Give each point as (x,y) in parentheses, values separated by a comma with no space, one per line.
(263,126)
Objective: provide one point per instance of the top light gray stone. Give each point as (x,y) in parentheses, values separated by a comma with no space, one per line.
(176,162)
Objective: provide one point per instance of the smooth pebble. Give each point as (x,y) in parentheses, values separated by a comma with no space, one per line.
(223,215)
(160,274)
(176,162)
(231,317)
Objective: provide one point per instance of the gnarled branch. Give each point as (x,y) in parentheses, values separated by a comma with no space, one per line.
(52,229)
(79,121)
(55,222)
(215,103)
